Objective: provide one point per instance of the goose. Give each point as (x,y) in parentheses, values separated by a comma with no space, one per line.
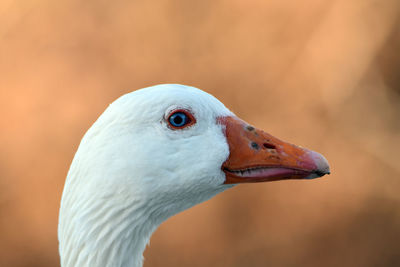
(153,153)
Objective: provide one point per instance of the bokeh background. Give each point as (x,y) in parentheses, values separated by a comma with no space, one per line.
(321,74)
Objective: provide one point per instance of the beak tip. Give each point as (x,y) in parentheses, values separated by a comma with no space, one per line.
(322,165)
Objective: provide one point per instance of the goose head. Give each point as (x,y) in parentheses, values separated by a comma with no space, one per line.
(156,152)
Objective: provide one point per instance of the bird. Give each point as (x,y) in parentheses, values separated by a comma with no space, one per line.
(153,153)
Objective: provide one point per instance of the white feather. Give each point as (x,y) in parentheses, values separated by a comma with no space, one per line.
(131,172)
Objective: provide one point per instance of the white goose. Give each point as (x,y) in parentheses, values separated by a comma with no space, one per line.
(156,152)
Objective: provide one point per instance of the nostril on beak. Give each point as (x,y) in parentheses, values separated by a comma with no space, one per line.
(269,146)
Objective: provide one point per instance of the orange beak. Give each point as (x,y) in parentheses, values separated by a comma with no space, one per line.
(256,156)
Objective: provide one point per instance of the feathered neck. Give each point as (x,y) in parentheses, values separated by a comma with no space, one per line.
(107,235)
(132,172)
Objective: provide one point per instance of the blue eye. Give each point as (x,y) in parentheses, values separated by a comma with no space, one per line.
(180,119)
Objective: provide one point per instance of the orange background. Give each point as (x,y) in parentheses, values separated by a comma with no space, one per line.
(321,74)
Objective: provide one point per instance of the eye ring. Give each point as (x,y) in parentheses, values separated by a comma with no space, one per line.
(180,118)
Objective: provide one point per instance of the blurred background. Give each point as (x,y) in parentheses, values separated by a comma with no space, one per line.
(321,74)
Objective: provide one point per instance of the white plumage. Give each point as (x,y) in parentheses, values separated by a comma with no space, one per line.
(132,171)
